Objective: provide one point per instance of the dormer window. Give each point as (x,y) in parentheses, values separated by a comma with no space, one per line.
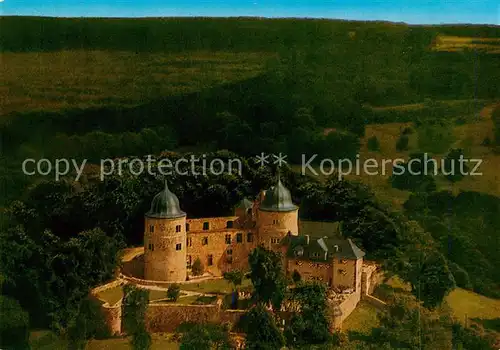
(151,228)
(229,224)
(206,226)
(299,251)
(178,228)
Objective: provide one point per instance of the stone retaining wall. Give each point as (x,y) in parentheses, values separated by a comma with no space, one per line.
(167,317)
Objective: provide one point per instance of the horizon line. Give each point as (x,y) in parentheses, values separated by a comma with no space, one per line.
(259,17)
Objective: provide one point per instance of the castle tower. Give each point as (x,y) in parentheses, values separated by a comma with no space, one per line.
(165,239)
(277,216)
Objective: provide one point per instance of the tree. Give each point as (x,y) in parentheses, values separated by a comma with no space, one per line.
(267,276)
(14,325)
(310,325)
(197,268)
(454,167)
(402,143)
(89,323)
(429,275)
(235,277)
(373,144)
(135,304)
(174,291)
(406,325)
(262,330)
(205,336)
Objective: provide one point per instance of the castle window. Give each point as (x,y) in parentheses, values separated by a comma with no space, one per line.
(276,222)
(178,228)
(151,246)
(228,239)
(239,237)
(315,255)
(229,252)
(151,228)
(342,272)
(189,242)
(178,246)
(187,227)
(249,237)
(204,241)
(275,240)
(210,260)
(188,261)
(229,224)
(206,226)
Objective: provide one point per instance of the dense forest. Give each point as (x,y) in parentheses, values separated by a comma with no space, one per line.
(316,75)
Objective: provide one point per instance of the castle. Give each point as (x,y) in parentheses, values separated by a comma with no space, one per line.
(172,242)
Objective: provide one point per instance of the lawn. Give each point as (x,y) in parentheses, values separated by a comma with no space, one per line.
(217,286)
(46,340)
(112,295)
(362,319)
(467,305)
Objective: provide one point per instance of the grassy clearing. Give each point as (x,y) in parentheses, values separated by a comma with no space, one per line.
(458,43)
(78,79)
(466,304)
(468,136)
(463,303)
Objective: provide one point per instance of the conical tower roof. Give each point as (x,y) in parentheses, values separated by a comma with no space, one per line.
(165,205)
(278,198)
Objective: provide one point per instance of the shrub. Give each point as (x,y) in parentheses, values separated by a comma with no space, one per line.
(173,292)
(373,144)
(408,131)
(197,268)
(461,276)
(403,143)
(14,325)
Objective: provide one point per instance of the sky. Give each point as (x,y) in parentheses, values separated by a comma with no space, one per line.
(409,11)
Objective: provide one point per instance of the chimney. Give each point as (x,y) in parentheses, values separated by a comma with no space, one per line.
(307,239)
(326,256)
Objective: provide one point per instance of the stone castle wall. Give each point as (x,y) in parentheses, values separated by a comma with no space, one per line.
(273,226)
(167,317)
(311,271)
(165,249)
(217,254)
(348,305)
(112,313)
